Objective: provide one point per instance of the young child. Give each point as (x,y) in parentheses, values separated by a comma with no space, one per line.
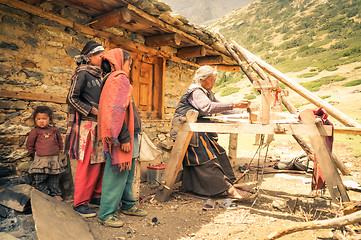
(45,143)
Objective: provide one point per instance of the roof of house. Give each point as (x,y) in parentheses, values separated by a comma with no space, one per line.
(153,20)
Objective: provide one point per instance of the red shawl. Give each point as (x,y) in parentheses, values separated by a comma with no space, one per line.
(114,109)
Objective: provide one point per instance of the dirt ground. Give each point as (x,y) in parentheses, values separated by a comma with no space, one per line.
(182,216)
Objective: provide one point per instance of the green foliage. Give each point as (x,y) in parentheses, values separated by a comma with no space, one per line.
(358,67)
(352,83)
(326,96)
(250,96)
(315,85)
(229,90)
(308,75)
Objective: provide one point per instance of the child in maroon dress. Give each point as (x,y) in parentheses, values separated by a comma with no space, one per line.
(45,143)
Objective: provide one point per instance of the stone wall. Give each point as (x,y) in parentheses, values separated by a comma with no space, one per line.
(36,57)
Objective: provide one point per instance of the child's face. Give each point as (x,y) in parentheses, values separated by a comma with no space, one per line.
(42,120)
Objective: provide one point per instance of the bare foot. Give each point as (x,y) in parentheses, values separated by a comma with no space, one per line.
(58,198)
(239,194)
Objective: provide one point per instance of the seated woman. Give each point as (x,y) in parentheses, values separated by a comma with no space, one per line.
(207,170)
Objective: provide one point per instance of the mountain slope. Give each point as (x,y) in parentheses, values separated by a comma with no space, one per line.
(203,11)
(296,34)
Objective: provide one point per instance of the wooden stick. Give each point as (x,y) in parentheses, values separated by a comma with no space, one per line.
(324,224)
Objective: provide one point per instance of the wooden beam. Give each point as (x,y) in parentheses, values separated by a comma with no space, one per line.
(175,160)
(112,19)
(169,27)
(117,40)
(347,130)
(301,129)
(232,150)
(189,52)
(163,40)
(324,159)
(227,68)
(32,96)
(210,60)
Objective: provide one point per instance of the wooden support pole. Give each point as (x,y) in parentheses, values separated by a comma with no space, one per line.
(343,118)
(189,52)
(323,224)
(175,159)
(232,150)
(163,40)
(32,96)
(324,159)
(113,19)
(210,60)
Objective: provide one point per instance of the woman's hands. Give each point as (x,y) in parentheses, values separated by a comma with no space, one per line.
(125,147)
(243,103)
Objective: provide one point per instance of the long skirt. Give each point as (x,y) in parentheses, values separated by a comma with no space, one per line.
(209,178)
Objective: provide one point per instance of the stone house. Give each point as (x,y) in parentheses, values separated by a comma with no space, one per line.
(39,39)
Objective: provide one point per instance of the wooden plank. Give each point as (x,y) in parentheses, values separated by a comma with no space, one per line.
(323,156)
(210,60)
(189,52)
(112,19)
(170,39)
(175,160)
(286,129)
(57,220)
(348,130)
(32,96)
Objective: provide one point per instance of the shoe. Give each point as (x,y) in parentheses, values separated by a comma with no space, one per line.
(95,201)
(85,211)
(112,221)
(134,211)
(59,198)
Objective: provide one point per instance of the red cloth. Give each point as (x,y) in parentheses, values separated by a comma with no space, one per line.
(44,141)
(114,109)
(88,179)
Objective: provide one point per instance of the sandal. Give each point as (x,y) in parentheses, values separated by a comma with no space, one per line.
(228,204)
(209,204)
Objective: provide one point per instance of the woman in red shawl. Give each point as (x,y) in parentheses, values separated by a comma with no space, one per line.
(116,129)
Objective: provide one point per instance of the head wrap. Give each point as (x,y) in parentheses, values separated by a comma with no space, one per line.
(203,72)
(82,58)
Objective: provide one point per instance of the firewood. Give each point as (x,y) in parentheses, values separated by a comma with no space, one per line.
(324,224)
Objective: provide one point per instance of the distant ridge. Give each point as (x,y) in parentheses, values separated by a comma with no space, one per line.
(204,11)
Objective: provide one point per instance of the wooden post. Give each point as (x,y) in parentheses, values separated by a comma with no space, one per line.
(232,150)
(175,160)
(324,159)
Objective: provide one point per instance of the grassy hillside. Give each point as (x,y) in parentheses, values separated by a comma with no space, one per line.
(317,43)
(293,35)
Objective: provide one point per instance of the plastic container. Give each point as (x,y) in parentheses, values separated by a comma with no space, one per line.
(155,172)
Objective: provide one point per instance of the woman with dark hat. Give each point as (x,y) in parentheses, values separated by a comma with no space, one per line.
(81,140)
